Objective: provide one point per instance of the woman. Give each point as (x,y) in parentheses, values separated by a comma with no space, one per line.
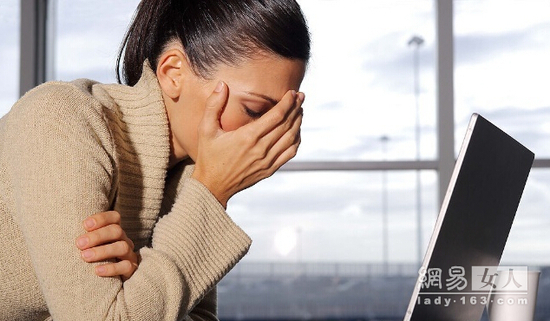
(210,107)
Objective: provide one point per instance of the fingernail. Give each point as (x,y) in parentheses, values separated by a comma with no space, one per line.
(82,241)
(89,223)
(100,269)
(293,93)
(219,87)
(87,254)
(301,96)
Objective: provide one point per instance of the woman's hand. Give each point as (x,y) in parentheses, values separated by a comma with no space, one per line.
(228,162)
(105,240)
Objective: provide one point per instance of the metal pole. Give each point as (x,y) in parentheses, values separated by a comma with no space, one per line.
(299,245)
(32,44)
(445,94)
(385,238)
(417,42)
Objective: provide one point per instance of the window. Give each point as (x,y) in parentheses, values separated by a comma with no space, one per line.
(528,242)
(361,105)
(9,51)
(336,216)
(360,85)
(501,72)
(356,233)
(86,38)
(502,67)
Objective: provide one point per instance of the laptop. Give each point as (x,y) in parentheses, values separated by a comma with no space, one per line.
(471,230)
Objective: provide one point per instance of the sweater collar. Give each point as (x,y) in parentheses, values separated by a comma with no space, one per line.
(142,136)
(143,119)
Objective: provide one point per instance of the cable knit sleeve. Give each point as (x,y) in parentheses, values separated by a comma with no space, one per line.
(62,168)
(197,240)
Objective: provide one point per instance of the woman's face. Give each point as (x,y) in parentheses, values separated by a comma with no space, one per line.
(255,86)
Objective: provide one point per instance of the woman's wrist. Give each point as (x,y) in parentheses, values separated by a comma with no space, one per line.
(214,188)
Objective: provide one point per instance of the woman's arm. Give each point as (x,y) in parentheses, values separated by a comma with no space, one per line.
(63,169)
(107,240)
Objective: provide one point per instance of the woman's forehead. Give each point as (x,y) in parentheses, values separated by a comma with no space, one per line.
(271,73)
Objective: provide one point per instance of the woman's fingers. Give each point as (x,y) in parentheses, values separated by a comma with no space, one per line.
(283,138)
(287,146)
(277,115)
(123,268)
(289,134)
(120,249)
(210,123)
(106,240)
(283,150)
(101,219)
(105,234)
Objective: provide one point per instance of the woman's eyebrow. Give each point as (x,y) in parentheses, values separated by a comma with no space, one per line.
(271,100)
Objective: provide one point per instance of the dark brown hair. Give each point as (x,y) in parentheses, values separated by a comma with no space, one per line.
(212,32)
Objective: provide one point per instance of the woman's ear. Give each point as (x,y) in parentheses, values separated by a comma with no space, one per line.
(171,68)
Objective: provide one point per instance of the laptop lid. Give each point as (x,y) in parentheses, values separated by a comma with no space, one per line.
(473,225)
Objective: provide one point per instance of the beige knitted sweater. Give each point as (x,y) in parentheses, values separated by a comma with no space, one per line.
(69,150)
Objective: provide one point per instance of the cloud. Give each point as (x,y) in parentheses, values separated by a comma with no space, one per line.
(528,126)
(479,47)
(391,62)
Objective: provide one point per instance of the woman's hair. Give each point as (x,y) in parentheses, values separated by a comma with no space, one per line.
(212,32)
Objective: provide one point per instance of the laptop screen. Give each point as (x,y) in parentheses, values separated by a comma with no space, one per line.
(473,225)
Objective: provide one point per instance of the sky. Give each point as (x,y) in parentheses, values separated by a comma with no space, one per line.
(360,87)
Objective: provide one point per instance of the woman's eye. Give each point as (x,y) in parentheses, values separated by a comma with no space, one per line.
(252,113)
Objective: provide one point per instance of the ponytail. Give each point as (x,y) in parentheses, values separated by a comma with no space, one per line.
(212,32)
(142,40)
